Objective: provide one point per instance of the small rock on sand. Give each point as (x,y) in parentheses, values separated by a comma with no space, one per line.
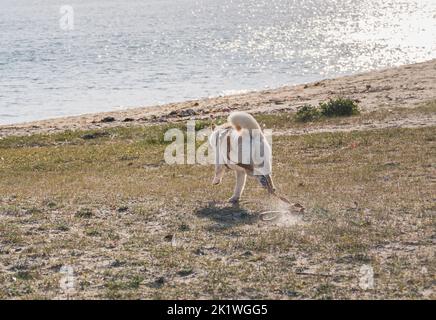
(107,119)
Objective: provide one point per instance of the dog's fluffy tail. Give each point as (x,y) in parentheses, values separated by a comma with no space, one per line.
(242,120)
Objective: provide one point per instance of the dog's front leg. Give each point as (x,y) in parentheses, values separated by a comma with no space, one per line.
(241,177)
(219,172)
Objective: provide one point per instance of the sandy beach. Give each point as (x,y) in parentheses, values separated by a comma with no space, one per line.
(404,86)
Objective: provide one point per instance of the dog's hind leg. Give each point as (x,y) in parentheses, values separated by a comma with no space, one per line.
(241,177)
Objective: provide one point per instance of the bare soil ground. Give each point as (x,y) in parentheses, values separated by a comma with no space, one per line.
(103,204)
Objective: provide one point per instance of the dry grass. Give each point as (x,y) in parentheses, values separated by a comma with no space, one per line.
(282,121)
(133,227)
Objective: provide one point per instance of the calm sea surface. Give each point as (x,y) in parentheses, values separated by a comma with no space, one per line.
(123,54)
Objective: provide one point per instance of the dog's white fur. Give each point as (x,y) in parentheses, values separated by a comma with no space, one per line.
(240,124)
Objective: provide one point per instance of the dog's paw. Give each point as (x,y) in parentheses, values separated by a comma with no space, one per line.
(216,181)
(234,200)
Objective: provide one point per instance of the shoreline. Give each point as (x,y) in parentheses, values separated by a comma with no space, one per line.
(404,86)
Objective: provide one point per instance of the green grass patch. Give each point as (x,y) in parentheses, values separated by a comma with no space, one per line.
(338,107)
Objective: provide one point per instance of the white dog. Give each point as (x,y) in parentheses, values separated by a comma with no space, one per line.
(240,145)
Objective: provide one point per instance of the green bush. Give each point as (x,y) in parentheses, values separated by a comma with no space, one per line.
(307,113)
(339,107)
